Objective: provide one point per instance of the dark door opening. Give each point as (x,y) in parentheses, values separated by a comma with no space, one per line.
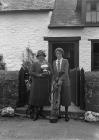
(70,46)
(95,56)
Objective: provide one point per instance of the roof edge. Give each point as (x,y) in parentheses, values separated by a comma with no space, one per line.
(71,38)
(26,10)
(72,26)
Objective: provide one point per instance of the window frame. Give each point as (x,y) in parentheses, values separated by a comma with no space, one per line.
(93,41)
(91,23)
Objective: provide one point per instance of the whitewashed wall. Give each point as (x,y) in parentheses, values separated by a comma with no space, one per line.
(84,44)
(20,30)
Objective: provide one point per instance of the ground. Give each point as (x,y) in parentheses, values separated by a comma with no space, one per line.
(22,128)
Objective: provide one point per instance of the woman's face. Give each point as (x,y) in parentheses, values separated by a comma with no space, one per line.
(58,55)
(41,57)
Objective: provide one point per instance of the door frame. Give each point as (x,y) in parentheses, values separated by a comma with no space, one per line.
(74,40)
(92,53)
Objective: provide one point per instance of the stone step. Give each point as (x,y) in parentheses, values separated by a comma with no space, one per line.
(75,114)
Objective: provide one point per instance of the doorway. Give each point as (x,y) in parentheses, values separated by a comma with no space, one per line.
(70,45)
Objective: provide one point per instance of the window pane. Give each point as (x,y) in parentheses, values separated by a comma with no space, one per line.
(88,17)
(93,6)
(96,55)
(92,11)
(93,17)
(97,6)
(88,8)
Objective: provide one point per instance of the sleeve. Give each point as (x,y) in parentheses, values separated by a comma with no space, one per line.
(53,76)
(33,71)
(21,76)
(51,71)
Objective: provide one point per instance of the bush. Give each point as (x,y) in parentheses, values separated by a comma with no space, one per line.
(92,76)
(92,91)
(8,87)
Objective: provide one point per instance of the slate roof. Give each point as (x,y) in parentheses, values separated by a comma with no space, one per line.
(65,14)
(14,5)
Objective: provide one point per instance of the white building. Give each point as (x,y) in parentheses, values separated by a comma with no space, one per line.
(23,23)
(74,26)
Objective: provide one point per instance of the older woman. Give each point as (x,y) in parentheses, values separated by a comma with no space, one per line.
(40,87)
(60,86)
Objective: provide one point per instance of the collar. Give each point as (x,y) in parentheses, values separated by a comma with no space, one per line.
(59,60)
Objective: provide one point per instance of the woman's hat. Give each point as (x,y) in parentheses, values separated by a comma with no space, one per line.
(59,50)
(41,53)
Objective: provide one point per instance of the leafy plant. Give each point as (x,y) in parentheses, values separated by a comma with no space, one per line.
(2,64)
(29,58)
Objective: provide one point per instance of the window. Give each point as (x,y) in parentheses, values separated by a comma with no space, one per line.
(95,55)
(92,12)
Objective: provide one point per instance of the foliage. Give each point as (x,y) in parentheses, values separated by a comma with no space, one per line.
(2,64)
(8,88)
(28,58)
(91,91)
(9,80)
(92,76)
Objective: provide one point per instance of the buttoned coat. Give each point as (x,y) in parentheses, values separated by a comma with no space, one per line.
(65,95)
(40,87)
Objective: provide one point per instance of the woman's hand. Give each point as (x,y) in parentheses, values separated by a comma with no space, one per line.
(38,75)
(59,82)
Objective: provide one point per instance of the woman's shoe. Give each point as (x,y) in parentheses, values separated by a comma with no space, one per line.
(67,118)
(59,116)
(41,113)
(31,115)
(35,117)
(53,119)
(35,114)
(66,114)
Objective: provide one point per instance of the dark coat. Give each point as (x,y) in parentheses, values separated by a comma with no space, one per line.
(65,94)
(40,87)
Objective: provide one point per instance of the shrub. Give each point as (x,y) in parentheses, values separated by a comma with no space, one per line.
(8,88)
(2,64)
(92,91)
(92,76)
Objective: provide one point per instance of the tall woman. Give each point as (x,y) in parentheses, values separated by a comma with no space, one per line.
(60,86)
(40,87)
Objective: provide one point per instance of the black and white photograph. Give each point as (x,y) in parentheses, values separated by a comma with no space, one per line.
(49,69)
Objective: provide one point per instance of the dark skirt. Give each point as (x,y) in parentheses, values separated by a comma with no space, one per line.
(65,95)
(40,91)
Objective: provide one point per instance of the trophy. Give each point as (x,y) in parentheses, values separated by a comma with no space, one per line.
(45,70)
